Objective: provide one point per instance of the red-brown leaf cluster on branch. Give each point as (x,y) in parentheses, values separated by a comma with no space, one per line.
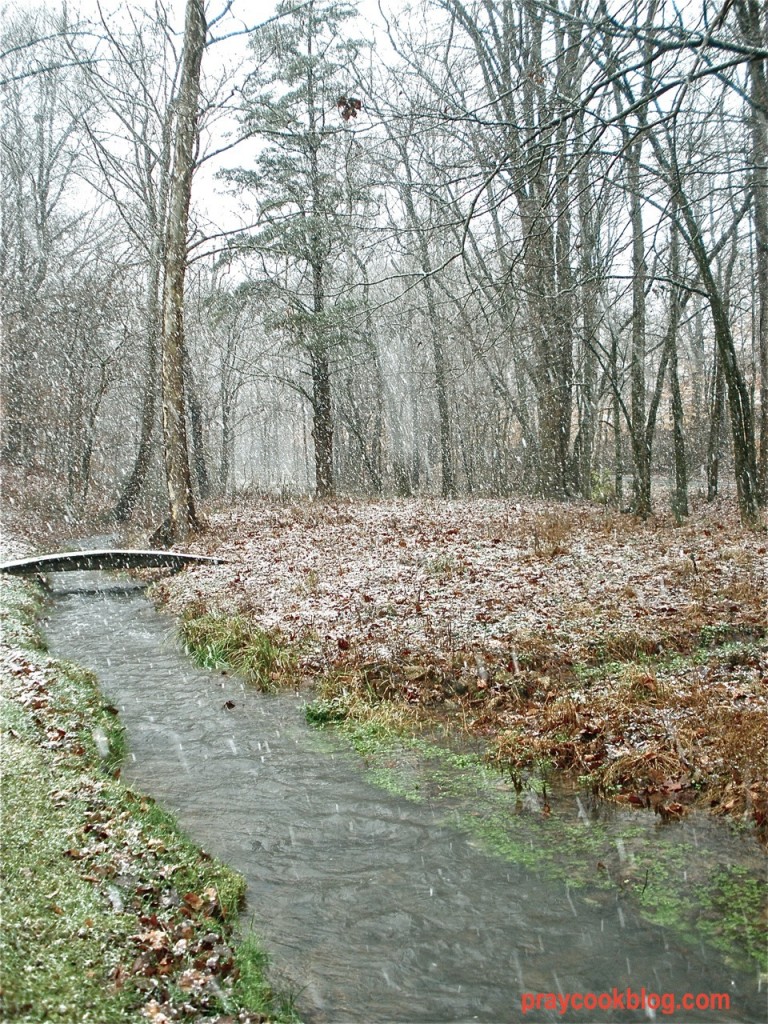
(348,106)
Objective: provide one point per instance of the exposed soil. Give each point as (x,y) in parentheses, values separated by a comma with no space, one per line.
(570,638)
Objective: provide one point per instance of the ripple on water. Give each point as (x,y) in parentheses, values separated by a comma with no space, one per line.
(373,907)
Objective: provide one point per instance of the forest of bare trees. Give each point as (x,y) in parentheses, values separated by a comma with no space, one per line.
(476,248)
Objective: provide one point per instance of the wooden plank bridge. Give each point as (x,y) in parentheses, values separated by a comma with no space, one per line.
(69,561)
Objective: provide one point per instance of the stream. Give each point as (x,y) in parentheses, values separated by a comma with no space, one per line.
(373,907)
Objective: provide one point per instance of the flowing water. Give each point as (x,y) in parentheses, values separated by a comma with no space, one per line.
(373,908)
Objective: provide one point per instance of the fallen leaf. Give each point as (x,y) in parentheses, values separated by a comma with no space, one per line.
(193,900)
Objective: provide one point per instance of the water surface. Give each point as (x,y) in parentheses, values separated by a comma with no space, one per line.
(372,907)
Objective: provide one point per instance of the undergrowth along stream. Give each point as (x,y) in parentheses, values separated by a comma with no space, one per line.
(575,838)
(553,828)
(237,643)
(110,913)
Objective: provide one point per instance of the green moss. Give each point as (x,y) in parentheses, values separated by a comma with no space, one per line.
(326,711)
(722,906)
(734,914)
(407,765)
(669,881)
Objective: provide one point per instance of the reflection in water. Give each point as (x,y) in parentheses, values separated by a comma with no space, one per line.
(372,908)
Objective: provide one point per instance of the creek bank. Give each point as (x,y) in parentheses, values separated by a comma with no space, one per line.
(110,914)
(376,907)
(629,655)
(590,846)
(569,836)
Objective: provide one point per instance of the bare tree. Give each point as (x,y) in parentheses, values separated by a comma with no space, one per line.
(183,517)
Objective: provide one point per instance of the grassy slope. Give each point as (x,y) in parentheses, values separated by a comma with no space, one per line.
(631,654)
(109,912)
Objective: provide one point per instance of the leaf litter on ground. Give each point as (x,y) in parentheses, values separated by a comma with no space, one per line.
(631,654)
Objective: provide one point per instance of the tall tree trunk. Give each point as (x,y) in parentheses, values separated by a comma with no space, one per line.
(196,423)
(182,508)
(739,402)
(322,427)
(754,29)
(563,298)
(447,481)
(227,438)
(439,360)
(680,495)
(640,447)
(377,456)
(584,445)
(138,476)
(760,187)
(322,397)
(714,442)
(618,456)
(739,405)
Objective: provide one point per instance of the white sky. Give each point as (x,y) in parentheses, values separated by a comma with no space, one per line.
(246,12)
(210,196)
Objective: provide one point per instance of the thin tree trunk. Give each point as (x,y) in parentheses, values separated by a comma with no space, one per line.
(182,508)
(583,449)
(760,187)
(640,438)
(739,403)
(227,439)
(447,482)
(680,495)
(618,457)
(754,28)
(322,427)
(322,396)
(714,444)
(377,456)
(196,420)
(742,423)
(138,476)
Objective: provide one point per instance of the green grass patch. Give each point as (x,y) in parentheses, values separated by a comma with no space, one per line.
(108,908)
(401,761)
(60,941)
(717,645)
(235,642)
(251,988)
(20,605)
(719,634)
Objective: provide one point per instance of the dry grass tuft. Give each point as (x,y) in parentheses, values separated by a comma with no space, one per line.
(643,685)
(642,769)
(550,534)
